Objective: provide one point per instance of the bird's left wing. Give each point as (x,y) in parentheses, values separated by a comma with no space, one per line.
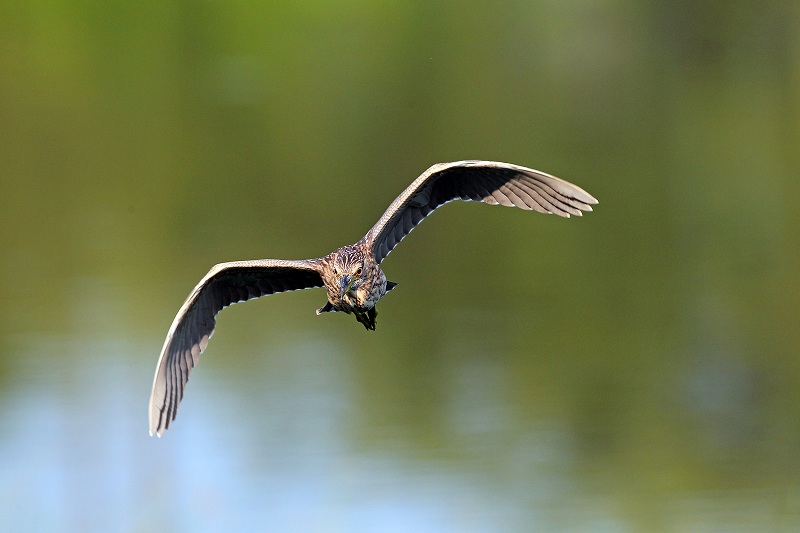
(225,284)
(482,181)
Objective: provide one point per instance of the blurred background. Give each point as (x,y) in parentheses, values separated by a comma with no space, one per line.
(637,369)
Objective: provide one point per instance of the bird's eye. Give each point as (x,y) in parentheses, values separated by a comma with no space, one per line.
(358,272)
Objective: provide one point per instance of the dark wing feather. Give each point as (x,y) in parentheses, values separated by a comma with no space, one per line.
(481,181)
(224,285)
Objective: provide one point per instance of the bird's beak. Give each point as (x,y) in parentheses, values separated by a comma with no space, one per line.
(345,282)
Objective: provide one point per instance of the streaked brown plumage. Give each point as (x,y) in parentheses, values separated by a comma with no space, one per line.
(351,275)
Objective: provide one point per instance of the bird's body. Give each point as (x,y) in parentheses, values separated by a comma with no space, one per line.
(351,275)
(354,283)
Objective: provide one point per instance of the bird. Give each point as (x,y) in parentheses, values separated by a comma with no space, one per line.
(351,275)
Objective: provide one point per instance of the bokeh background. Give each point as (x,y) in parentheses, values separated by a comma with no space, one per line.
(637,369)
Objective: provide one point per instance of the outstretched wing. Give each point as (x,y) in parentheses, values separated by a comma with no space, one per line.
(481,181)
(224,285)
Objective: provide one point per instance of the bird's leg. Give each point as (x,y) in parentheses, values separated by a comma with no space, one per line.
(368,318)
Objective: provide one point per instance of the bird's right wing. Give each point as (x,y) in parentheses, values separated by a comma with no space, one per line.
(225,284)
(482,181)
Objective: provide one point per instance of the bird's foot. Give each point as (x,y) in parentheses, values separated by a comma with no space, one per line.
(368,318)
(325,308)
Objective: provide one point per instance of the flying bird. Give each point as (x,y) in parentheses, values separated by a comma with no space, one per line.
(351,275)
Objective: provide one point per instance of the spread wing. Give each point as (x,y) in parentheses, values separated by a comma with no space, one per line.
(481,181)
(224,285)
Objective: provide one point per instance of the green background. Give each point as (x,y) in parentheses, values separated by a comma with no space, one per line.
(637,369)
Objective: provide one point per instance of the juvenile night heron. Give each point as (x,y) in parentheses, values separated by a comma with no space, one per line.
(351,275)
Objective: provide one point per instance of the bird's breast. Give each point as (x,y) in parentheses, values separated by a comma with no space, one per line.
(365,297)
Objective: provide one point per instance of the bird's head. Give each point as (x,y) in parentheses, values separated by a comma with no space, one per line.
(348,268)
